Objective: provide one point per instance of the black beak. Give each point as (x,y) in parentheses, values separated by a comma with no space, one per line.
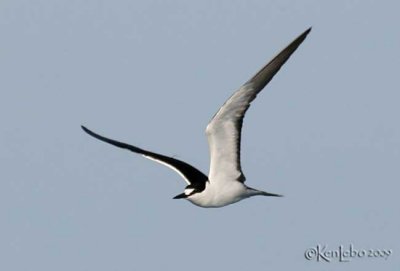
(180,196)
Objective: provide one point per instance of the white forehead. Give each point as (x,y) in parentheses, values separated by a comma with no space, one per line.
(188,191)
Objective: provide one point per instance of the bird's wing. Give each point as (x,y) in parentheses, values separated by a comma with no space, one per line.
(190,174)
(224,130)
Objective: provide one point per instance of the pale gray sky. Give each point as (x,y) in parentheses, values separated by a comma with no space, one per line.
(325,133)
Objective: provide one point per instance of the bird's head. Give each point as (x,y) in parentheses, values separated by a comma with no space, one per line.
(189,190)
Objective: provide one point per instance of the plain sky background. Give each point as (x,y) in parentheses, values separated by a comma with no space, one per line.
(325,133)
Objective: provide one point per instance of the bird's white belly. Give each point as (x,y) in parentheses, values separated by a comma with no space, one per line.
(217,195)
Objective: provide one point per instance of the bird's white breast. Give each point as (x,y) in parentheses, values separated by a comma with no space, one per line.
(219,194)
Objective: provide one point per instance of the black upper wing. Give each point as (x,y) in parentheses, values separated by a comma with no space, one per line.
(189,173)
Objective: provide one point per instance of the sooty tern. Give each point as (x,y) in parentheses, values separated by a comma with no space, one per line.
(225,183)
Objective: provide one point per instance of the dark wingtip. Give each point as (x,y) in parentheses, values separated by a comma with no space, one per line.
(303,35)
(263,76)
(91,133)
(87,130)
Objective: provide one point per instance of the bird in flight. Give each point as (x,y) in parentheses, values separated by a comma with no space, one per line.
(225,183)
